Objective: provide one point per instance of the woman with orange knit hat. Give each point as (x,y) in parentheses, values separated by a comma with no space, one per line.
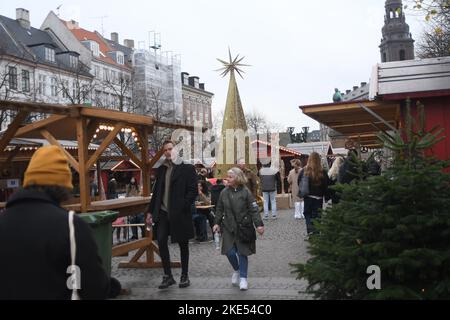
(35,245)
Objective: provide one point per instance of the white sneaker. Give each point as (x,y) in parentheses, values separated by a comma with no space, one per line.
(235,278)
(243,285)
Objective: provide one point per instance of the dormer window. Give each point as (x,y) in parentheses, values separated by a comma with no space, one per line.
(95,48)
(120,58)
(73,62)
(49,54)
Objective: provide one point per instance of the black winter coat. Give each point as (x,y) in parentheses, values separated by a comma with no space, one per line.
(35,251)
(183,192)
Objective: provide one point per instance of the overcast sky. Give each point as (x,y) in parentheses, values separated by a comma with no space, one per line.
(299,50)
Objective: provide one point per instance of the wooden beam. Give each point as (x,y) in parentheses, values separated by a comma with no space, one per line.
(85,198)
(109,138)
(40,124)
(117,116)
(155,159)
(349,105)
(130,246)
(34,107)
(12,130)
(52,140)
(145,168)
(128,152)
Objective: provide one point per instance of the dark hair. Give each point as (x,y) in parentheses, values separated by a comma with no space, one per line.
(204,185)
(167,142)
(57,193)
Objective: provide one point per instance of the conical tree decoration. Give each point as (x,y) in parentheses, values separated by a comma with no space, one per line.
(234,119)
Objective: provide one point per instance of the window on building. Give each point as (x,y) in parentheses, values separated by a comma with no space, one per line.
(65,88)
(402,55)
(120,58)
(54,87)
(73,62)
(12,78)
(113,76)
(25,81)
(75,90)
(384,57)
(49,54)
(105,74)
(97,71)
(95,49)
(42,84)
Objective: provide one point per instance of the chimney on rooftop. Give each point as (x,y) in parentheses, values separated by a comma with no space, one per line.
(348,91)
(355,88)
(363,84)
(128,43)
(72,24)
(115,37)
(23,17)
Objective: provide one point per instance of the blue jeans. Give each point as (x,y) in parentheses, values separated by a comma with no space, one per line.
(311,212)
(273,203)
(200,226)
(241,264)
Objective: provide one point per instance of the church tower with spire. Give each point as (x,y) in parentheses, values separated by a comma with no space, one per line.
(397,43)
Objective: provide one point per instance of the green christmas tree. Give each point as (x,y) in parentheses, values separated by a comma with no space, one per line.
(399,221)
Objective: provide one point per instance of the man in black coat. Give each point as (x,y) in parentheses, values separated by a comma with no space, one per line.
(34,237)
(174,193)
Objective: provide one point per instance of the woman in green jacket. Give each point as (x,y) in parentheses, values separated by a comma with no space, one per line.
(236,203)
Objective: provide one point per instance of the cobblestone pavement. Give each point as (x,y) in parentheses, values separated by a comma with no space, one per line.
(269,274)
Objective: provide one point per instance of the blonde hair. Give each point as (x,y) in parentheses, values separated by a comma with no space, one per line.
(241,179)
(296,162)
(334,170)
(314,169)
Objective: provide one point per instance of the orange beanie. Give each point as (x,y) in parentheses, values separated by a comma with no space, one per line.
(48,167)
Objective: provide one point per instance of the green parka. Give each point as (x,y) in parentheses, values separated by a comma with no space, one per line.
(241,202)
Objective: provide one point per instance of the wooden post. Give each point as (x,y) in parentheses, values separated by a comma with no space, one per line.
(82,159)
(145,167)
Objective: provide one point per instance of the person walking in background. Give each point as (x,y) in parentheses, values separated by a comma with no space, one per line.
(349,171)
(34,237)
(318,182)
(170,207)
(132,188)
(237,206)
(333,175)
(202,175)
(252,178)
(293,187)
(201,215)
(269,178)
(112,188)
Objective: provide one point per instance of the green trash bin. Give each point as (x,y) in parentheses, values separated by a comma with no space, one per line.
(101,224)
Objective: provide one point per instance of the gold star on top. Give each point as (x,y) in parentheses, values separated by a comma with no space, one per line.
(232,66)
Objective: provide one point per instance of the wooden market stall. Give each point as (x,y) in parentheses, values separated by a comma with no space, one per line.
(358,121)
(84,125)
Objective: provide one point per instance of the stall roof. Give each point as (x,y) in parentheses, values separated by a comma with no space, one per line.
(323,148)
(265,145)
(411,78)
(358,120)
(26,142)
